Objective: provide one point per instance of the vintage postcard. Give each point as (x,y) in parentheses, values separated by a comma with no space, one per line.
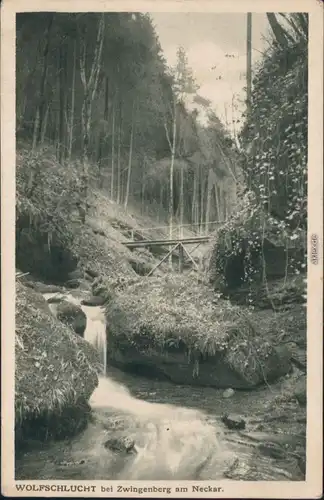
(162,239)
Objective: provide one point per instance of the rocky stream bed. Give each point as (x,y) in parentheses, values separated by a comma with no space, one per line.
(146,428)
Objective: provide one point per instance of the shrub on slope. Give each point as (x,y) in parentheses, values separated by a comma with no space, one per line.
(267,238)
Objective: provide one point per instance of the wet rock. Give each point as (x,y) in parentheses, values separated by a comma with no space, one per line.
(73,283)
(271,450)
(232,422)
(29,284)
(43,288)
(56,299)
(301,460)
(93,301)
(228,393)
(121,445)
(73,316)
(75,275)
(101,287)
(98,231)
(300,391)
(67,463)
(231,466)
(92,273)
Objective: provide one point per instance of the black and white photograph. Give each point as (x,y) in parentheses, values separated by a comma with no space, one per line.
(162,251)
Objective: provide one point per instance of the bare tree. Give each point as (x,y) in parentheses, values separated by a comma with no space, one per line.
(41,106)
(72,105)
(130,157)
(90,88)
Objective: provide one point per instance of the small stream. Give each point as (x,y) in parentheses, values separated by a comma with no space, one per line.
(177,431)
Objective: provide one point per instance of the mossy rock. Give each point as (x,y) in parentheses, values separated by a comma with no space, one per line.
(177,328)
(106,287)
(76,275)
(43,288)
(141,267)
(300,391)
(73,316)
(93,301)
(250,251)
(56,372)
(92,272)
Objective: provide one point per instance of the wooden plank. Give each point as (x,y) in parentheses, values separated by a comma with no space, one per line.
(152,243)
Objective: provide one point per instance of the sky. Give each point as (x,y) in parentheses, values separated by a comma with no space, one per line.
(207,39)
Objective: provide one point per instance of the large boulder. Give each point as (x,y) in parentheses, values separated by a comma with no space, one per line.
(177,329)
(73,316)
(55,372)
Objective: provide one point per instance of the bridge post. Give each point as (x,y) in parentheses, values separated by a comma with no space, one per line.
(181,255)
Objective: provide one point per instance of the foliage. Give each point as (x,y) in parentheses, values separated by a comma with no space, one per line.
(47,218)
(246,242)
(47,194)
(273,214)
(134,99)
(275,133)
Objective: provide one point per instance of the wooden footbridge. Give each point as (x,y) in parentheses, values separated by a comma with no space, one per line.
(178,243)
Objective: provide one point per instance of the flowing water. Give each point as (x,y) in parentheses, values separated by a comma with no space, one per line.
(177,431)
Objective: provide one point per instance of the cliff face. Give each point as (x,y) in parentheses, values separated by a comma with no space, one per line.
(55,374)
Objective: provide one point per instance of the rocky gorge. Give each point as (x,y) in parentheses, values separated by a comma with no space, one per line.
(126,368)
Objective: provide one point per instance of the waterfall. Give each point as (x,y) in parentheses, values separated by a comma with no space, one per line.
(95,332)
(171,442)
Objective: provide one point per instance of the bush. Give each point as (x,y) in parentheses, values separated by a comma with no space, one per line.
(51,239)
(275,134)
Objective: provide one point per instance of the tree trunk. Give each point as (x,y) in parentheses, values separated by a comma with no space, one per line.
(173,150)
(40,110)
(61,141)
(103,132)
(119,158)
(90,88)
(36,128)
(224,205)
(72,106)
(181,200)
(143,188)
(193,203)
(112,179)
(202,202)
(44,127)
(129,162)
(209,191)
